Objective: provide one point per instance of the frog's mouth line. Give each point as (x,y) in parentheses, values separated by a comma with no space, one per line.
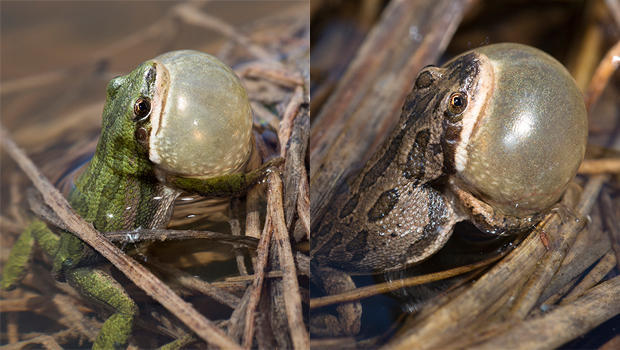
(162,82)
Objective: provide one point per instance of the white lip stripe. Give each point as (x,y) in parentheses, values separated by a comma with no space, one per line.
(481,94)
(161,89)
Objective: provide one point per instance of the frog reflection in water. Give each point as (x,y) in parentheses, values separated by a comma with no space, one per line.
(181,121)
(494,137)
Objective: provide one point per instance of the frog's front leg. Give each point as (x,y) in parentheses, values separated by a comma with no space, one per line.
(100,287)
(391,229)
(20,254)
(229,185)
(488,219)
(349,315)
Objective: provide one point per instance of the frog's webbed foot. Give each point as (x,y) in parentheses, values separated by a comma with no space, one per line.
(349,315)
(15,267)
(230,185)
(102,288)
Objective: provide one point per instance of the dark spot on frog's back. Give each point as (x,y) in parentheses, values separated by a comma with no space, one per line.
(349,206)
(416,157)
(384,204)
(323,233)
(358,246)
(379,168)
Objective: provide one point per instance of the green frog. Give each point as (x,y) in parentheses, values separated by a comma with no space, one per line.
(179,122)
(494,136)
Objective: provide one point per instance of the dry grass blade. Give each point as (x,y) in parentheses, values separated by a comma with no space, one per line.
(600,166)
(386,287)
(269,72)
(48,342)
(601,76)
(259,268)
(142,235)
(564,323)
(290,114)
(292,296)
(466,308)
(593,277)
(134,271)
(188,281)
(190,13)
(612,225)
(294,170)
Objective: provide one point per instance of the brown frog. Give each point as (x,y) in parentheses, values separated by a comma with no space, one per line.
(494,136)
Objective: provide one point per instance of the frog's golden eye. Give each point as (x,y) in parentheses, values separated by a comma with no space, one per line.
(425,79)
(142,108)
(457,103)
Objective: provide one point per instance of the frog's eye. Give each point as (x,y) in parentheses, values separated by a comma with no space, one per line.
(457,103)
(425,79)
(142,108)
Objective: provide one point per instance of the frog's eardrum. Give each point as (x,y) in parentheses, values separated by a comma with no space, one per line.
(201,118)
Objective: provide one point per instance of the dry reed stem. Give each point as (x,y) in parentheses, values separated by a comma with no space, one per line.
(589,247)
(564,323)
(555,297)
(162,235)
(250,278)
(12,328)
(546,269)
(235,229)
(613,230)
(601,76)
(600,270)
(73,318)
(191,14)
(386,287)
(134,271)
(275,74)
(236,322)
(290,113)
(292,297)
(188,281)
(31,82)
(259,275)
(252,217)
(613,343)
(294,169)
(464,309)
(303,202)
(45,213)
(600,166)
(27,302)
(47,341)
(614,9)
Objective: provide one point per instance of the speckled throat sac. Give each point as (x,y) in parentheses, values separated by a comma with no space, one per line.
(533,106)
(201,118)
